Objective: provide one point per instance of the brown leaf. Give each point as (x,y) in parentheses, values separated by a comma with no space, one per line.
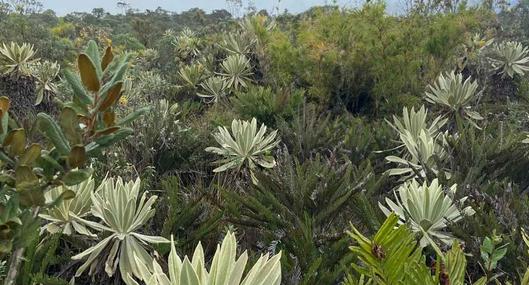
(4,105)
(31,155)
(77,156)
(25,178)
(106,131)
(109,118)
(16,142)
(88,73)
(69,122)
(112,97)
(107,58)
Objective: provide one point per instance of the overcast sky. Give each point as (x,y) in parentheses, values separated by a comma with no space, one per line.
(63,7)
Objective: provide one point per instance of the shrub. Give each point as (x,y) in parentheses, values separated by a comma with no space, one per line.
(392,257)
(301,208)
(266,105)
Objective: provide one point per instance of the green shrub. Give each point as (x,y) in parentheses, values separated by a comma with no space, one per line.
(267,105)
(301,208)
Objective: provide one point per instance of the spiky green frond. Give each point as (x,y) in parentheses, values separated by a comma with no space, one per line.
(236,70)
(69,215)
(510,58)
(15,58)
(427,210)
(122,213)
(225,268)
(244,146)
(455,95)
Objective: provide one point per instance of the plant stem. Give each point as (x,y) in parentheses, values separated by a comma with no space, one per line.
(16,258)
(14,264)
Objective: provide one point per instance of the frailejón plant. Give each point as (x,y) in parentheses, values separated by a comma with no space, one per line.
(244,146)
(427,210)
(225,269)
(122,211)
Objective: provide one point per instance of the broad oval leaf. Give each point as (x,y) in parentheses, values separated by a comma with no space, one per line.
(88,73)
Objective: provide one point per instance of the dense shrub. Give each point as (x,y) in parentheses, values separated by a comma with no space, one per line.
(284,130)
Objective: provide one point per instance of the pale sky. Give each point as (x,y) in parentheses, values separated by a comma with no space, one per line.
(62,7)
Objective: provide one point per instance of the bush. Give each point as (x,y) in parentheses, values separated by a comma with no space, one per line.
(266,105)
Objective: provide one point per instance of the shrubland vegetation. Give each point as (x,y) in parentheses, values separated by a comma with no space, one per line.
(336,146)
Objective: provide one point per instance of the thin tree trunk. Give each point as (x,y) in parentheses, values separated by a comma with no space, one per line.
(14,265)
(17,258)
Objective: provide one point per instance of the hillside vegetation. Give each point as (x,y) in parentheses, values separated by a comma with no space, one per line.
(336,146)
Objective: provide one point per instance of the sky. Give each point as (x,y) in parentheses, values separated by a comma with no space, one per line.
(62,7)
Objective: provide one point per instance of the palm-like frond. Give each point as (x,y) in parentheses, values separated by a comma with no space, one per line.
(427,209)
(302,208)
(192,75)
(510,58)
(392,257)
(244,146)
(45,73)
(214,89)
(421,144)
(420,154)
(258,26)
(187,42)
(68,216)
(225,268)
(122,212)
(455,95)
(415,121)
(15,58)
(237,43)
(236,70)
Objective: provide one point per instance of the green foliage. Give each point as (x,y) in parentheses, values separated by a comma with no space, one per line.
(456,95)
(143,87)
(157,132)
(189,217)
(187,43)
(267,105)
(225,268)
(427,210)
(45,73)
(244,147)
(492,252)
(70,208)
(30,169)
(510,58)
(301,208)
(308,133)
(15,58)
(122,212)
(40,256)
(423,145)
(239,43)
(236,70)
(192,75)
(258,26)
(392,257)
(414,122)
(214,89)
(3,269)
(328,80)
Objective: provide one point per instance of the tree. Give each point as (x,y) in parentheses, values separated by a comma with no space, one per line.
(125,6)
(23,7)
(98,12)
